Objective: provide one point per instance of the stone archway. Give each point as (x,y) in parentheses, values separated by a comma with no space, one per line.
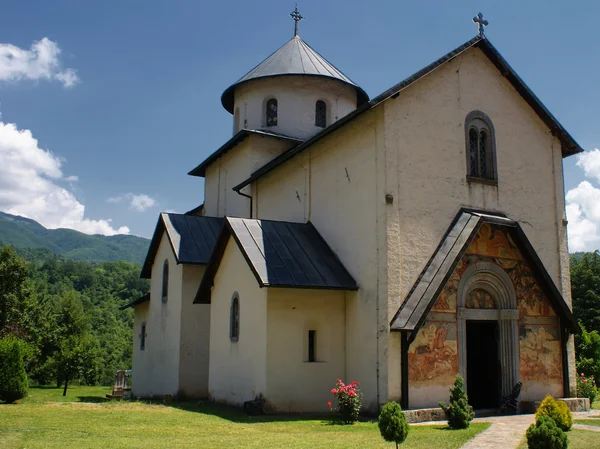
(491,278)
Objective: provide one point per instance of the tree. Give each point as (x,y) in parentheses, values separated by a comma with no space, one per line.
(13,277)
(585,289)
(459,412)
(587,349)
(392,423)
(13,379)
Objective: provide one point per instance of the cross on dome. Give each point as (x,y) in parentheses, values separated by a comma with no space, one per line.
(297,17)
(478,19)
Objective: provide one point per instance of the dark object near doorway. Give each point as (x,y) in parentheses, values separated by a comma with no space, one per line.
(510,403)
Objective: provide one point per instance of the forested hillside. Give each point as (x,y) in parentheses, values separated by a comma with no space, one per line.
(21,232)
(68,314)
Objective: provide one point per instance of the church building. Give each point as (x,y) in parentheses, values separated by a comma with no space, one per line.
(395,241)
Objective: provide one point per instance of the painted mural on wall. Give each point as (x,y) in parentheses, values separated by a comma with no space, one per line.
(540,353)
(433,356)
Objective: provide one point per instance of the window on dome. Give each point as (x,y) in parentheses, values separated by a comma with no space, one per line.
(272,112)
(321,114)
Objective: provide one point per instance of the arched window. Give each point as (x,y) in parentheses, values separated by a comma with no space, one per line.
(272,112)
(165,281)
(234,318)
(481,147)
(321,114)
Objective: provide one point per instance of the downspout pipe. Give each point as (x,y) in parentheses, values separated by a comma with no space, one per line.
(246,196)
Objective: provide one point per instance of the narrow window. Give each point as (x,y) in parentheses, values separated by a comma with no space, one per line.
(312,346)
(481,147)
(272,112)
(143,337)
(236,120)
(321,114)
(234,319)
(165,282)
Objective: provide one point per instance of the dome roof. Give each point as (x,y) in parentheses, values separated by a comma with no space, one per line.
(295,58)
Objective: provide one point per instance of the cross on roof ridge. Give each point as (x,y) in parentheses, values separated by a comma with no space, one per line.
(478,19)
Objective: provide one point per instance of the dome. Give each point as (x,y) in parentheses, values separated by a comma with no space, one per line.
(295,58)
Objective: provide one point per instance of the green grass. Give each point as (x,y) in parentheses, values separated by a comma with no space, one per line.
(578,439)
(588,422)
(84,419)
(596,405)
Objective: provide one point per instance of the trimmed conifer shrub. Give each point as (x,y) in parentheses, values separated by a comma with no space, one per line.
(558,411)
(459,412)
(13,379)
(545,434)
(392,423)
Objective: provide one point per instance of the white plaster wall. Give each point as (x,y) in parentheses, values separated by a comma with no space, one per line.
(237,370)
(426,170)
(334,185)
(296,97)
(195,335)
(139,356)
(291,313)
(234,167)
(160,373)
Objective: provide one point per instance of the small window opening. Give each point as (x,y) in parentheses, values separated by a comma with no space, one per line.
(236,120)
(321,114)
(481,151)
(165,282)
(272,119)
(312,346)
(234,325)
(143,337)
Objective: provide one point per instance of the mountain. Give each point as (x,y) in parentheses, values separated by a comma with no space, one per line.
(22,232)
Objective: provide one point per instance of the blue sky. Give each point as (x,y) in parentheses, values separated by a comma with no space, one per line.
(145,106)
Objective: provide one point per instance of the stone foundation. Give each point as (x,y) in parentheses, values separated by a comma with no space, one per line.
(574,404)
(425,414)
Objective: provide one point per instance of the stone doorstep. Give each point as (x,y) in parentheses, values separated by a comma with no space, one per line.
(424,414)
(574,404)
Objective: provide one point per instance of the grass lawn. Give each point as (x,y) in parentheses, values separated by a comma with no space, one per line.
(578,439)
(588,422)
(596,405)
(85,419)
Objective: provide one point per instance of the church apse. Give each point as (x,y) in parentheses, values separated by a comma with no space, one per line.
(434,355)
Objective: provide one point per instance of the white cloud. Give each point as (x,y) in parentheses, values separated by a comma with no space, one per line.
(140,202)
(589,162)
(583,214)
(30,180)
(41,61)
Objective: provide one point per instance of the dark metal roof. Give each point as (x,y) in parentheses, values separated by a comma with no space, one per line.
(435,275)
(192,239)
(136,302)
(200,170)
(197,211)
(569,145)
(295,58)
(280,254)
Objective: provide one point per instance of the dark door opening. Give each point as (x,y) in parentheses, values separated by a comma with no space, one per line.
(483,366)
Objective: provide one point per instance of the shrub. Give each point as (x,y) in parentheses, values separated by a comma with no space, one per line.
(13,379)
(556,410)
(349,401)
(459,412)
(586,388)
(392,423)
(545,434)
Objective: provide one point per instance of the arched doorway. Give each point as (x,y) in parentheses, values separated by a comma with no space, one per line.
(488,354)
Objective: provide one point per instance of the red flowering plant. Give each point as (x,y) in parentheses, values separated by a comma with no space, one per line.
(349,400)
(586,387)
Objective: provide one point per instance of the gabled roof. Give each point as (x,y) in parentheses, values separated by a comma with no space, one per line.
(192,239)
(569,145)
(280,254)
(296,57)
(437,272)
(200,170)
(136,302)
